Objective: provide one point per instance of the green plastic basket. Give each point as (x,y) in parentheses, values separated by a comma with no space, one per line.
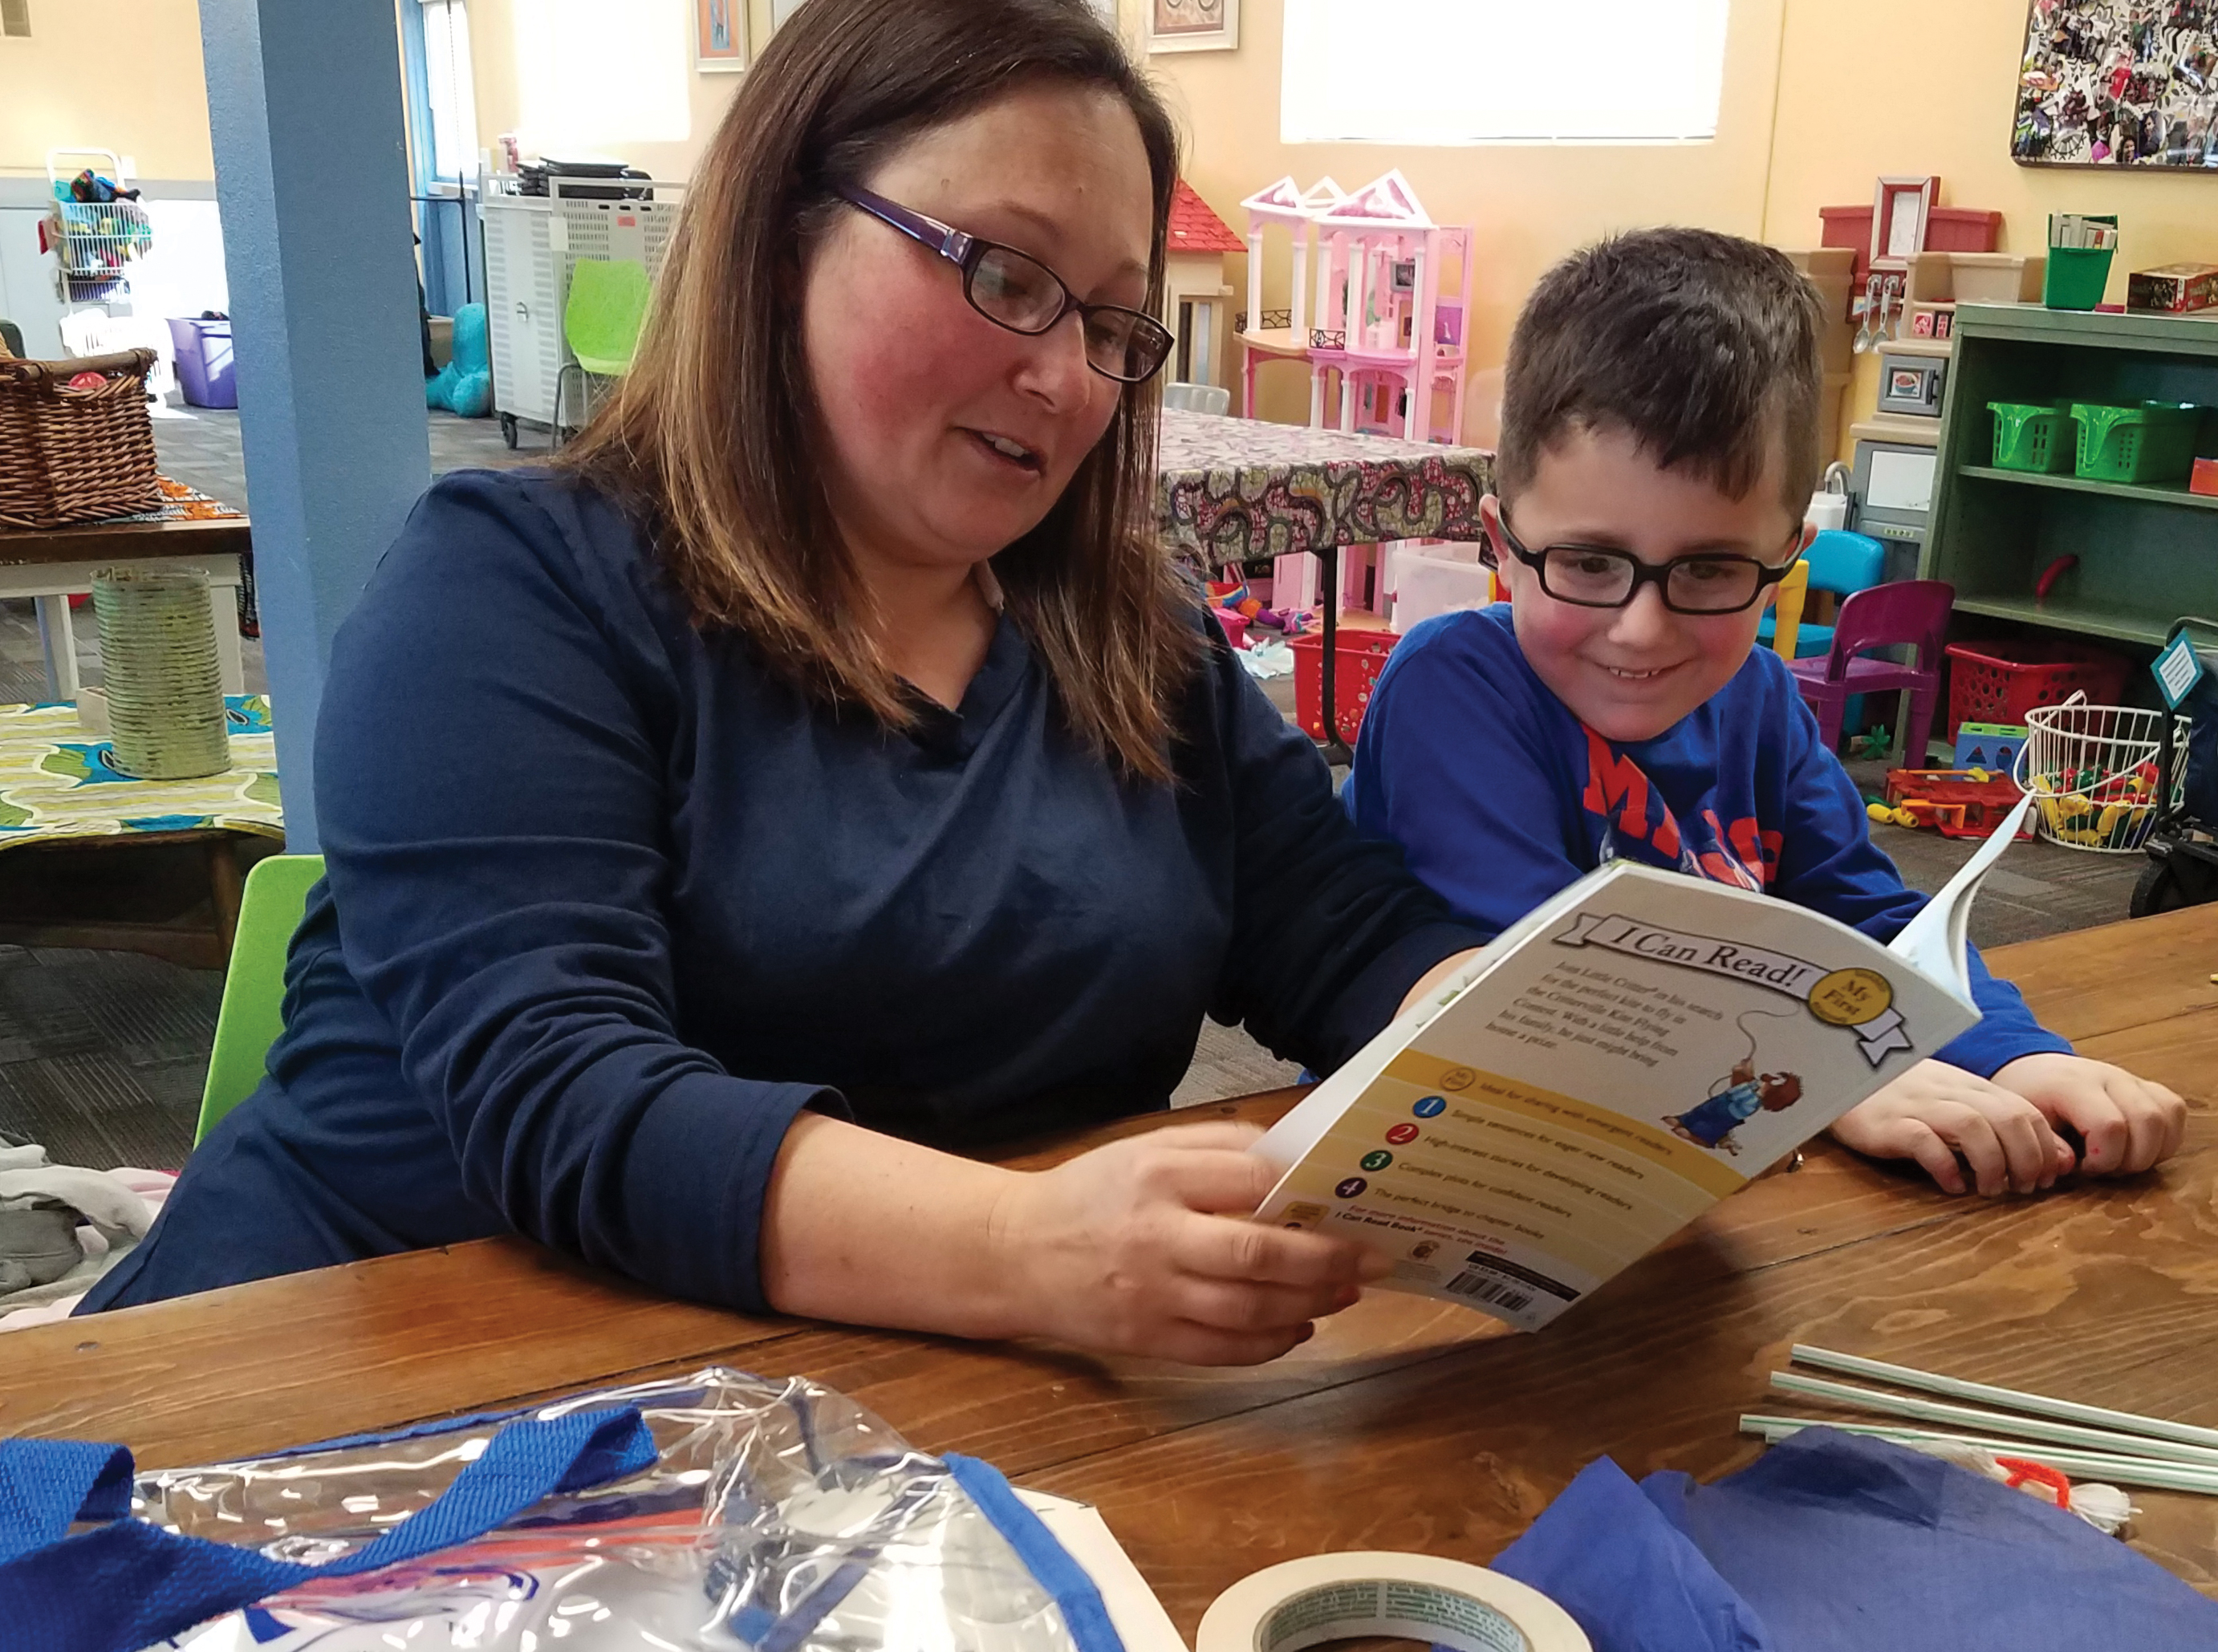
(2153,443)
(2076,278)
(2031,436)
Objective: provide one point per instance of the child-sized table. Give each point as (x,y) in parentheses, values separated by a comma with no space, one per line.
(1231,490)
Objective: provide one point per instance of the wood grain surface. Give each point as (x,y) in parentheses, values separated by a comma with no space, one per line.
(1404,1425)
(90,541)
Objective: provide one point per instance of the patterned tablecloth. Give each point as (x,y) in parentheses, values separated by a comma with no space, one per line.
(58,782)
(1232,489)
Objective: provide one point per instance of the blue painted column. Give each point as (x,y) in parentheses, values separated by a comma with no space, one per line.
(312,179)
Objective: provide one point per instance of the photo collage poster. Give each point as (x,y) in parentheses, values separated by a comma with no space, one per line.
(2119,82)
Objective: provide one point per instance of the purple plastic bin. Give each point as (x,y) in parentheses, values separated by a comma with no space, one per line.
(204,361)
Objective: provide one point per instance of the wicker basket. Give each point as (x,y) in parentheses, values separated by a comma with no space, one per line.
(75,455)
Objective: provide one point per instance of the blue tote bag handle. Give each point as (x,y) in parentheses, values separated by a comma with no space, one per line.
(128,1584)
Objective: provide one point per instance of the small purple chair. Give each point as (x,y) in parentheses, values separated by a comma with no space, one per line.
(1914,611)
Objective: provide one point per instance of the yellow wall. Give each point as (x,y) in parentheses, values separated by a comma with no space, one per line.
(1529,203)
(493,51)
(120,74)
(1821,96)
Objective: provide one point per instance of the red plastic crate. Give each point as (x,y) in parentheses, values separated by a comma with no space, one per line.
(1359,657)
(2000,679)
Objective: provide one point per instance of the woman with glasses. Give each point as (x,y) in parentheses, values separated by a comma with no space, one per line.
(831,774)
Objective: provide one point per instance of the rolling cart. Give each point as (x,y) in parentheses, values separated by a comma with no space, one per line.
(532,241)
(2182,849)
(94,241)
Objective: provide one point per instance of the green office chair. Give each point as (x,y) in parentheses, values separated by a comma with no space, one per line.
(601,324)
(253,1011)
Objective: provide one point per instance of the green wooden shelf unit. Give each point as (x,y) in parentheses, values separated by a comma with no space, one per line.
(2146,555)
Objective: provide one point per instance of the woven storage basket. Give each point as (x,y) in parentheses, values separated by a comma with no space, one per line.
(165,714)
(75,455)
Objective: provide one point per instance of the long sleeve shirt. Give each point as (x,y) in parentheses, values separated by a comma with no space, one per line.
(1501,797)
(607,903)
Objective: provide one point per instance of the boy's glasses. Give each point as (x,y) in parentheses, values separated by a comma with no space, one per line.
(1595,575)
(1014,290)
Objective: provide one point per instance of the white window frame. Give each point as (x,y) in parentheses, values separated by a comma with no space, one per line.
(451,84)
(1434,73)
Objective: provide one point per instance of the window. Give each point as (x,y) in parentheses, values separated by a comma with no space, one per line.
(453,90)
(1474,71)
(595,75)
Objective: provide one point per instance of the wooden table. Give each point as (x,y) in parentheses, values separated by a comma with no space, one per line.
(50,565)
(1402,1424)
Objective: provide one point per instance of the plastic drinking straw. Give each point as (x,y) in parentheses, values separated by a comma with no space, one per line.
(2039,1405)
(2126,1470)
(1900,1405)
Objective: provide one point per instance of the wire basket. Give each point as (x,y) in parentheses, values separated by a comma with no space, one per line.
(2093,771)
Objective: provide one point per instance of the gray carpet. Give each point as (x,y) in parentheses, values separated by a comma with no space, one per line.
(103,1054)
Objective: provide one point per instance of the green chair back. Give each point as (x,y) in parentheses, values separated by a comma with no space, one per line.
(253,1011)
(606,309)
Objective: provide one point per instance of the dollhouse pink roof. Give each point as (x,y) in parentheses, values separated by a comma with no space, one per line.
(1385,202)
(1195,228)
(1284,196)
(1284,200)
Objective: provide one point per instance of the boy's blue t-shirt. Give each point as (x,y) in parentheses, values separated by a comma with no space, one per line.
(1501,797)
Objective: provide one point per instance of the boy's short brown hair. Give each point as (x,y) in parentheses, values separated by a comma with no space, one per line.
(1702,347)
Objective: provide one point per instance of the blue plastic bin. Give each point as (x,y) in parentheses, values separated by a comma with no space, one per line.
(204,361)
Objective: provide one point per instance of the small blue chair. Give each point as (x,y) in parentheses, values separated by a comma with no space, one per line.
(1842,563)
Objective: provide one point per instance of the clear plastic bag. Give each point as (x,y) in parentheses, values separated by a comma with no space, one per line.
(779,1516)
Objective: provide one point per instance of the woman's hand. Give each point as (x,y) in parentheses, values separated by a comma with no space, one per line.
(1935,1111)
(1141,1247)
(2127,1123)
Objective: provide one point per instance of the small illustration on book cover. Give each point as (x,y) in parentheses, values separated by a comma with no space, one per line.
(1736,1100)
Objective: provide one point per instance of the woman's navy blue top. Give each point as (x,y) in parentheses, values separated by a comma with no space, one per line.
(606,903)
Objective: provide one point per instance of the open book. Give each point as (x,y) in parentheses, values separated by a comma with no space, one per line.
(1609,1068)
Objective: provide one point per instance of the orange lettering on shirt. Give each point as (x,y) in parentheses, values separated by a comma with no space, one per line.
(1750,847)
(1613,780)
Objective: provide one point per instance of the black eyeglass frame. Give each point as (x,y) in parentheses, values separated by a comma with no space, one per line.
(967,251)
(1657,573)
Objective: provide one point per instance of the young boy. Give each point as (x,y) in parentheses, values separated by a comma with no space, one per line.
(1659,439)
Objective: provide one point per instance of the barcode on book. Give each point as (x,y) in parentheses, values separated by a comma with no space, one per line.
(1485,1288)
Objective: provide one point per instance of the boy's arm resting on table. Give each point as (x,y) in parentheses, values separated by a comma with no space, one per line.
(1331,935)
(1997,1092)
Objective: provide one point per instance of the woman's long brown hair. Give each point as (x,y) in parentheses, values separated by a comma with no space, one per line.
(711,432)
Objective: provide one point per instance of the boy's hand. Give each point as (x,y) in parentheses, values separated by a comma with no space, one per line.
(2127,1123)
(1935,1111)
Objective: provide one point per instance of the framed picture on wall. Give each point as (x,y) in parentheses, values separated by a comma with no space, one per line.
(720,35)
(2118,83)
(1899,212)
(1192,25)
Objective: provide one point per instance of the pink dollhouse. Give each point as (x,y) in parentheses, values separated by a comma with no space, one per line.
(1280,335)
(1388,328)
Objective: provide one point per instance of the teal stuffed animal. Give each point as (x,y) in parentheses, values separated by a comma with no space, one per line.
(464,385)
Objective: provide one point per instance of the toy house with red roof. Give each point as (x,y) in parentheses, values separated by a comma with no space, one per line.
(1196,297)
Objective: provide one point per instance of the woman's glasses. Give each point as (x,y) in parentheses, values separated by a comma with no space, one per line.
(1594,576)
(1013,290)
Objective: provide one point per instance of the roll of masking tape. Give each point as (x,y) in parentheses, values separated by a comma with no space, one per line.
(1303,1603)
